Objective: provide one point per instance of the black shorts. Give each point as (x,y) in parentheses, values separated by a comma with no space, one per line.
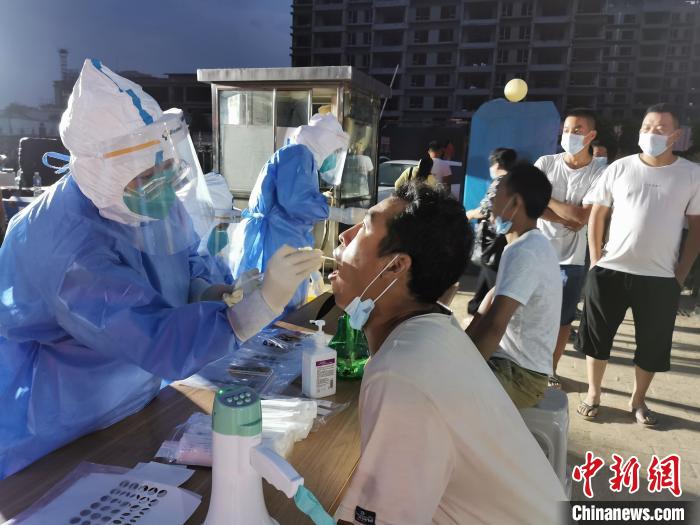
(654,303)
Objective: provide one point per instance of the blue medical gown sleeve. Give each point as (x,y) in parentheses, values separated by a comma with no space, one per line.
(113,309)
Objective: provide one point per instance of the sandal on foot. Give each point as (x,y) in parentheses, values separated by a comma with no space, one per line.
(644,416)
(554,382)
(587,411)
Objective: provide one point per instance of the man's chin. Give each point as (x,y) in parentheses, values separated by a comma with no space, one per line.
(340,300)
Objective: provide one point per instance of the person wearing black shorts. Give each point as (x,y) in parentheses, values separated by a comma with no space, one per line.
(648,198)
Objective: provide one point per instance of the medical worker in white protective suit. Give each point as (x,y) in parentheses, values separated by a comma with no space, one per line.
(101,285)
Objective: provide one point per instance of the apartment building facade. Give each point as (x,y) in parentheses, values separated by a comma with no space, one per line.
(450,56)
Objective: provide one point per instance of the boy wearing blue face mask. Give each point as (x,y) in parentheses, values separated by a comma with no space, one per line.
(572,174)
(647,197)
(516,326)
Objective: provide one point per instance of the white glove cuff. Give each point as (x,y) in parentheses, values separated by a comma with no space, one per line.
(250,315)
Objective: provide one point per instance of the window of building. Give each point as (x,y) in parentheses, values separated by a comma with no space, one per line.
(521,56)
(442,80)
(604,69)
(621,82)
(422,13)
(364,60)
(628,35)
(419,59)
(444,58)
(629,19)
(448,12)
(683,66)
(502,56)
(415,102)
(526,9)
(620,98)
(352,39)
(623,67)
(420,37)
(368,16)
(367,38)
(606,51)
(608,35)
(440,102)
(446,35)
(504,33)
(524,33)
(625,51)
(417,80)
(507,9)
(352,17)
(500,79)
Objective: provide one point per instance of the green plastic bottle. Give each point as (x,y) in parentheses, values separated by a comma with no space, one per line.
(352,349)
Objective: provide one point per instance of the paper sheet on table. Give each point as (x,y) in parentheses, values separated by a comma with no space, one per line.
(174,475)
(121,498)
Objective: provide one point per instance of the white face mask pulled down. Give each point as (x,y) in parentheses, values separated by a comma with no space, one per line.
(359,310)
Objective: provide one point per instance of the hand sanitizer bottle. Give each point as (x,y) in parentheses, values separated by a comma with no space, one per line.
(318,366)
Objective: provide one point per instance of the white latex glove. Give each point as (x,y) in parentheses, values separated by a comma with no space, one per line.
(346,215)
(285,271)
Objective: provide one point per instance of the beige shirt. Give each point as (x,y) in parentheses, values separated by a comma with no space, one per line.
(408,175)
(441,441)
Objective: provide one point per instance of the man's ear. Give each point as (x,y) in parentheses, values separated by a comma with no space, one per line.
(400,266)
(593,133)
(673,137)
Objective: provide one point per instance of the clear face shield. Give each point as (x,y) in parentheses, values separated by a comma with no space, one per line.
(331,169)
(163,193)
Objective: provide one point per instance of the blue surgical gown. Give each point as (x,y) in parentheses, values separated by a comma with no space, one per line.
(89,324)
(283,208)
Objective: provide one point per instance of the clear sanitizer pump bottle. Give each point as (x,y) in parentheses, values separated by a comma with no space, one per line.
(319,366)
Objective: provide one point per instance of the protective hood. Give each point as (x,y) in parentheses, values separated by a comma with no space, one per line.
(102,107)
(323,135)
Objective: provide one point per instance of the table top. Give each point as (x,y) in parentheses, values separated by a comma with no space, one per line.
(326,458)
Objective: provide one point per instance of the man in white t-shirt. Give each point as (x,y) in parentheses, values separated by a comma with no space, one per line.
(650,196)
(441,441)
(516,326)
(572,175)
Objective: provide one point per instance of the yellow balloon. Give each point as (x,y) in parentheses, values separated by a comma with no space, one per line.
(515,90)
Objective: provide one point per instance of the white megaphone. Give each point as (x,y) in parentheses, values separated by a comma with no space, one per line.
(239,462)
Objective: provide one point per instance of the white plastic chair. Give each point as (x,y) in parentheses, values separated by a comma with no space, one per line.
(549,423)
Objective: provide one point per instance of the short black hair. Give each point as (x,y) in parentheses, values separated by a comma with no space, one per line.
(504,157)
(586,113)
(532,185)
(435,145)
(434,233)
(665,107)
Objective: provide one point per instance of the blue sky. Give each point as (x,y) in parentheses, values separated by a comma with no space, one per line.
(153,36)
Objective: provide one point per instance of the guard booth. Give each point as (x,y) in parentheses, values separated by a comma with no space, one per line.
(254,111)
